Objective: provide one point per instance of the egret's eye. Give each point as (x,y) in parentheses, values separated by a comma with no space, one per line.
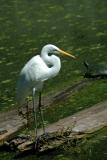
(50,53)
(54,51)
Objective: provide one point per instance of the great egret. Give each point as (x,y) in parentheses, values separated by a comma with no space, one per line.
(37,70)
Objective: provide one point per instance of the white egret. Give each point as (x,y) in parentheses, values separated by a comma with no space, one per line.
(37,70)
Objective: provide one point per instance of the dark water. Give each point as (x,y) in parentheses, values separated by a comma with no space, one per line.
(25,26)
(73,25)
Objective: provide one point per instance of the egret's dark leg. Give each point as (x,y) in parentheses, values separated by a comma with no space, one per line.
(35,116)
(41,113)
(27,113)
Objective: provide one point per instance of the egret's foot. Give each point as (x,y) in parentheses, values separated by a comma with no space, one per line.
(46,136)
(37,140)
(20,113)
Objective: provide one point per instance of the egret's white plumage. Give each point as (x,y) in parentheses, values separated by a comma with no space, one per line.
(37,70)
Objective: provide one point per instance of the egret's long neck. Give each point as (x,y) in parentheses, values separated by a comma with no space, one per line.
(52,60)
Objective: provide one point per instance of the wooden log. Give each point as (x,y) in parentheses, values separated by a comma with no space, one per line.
(45,142)
(69,129)
(2,131)
(21,139)
(10,125)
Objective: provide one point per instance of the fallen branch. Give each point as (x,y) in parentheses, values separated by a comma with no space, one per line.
(66,131)
(45,142)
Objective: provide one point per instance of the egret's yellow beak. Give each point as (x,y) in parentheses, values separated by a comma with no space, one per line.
(67,54)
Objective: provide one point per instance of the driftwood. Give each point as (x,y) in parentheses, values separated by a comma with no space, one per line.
(45,142)
(10,126)
(66,131)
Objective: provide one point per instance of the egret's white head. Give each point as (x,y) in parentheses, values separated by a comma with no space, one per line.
(50,48)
